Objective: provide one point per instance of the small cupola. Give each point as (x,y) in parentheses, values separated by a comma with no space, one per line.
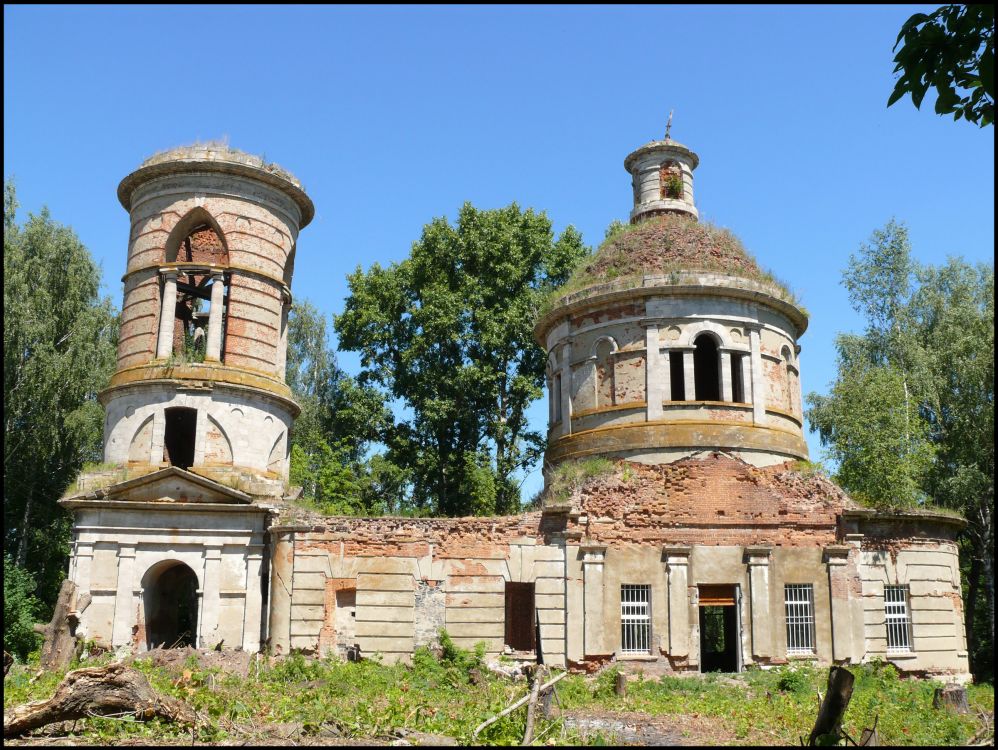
(662,178)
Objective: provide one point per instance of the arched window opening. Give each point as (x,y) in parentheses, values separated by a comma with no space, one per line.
(677,378)
(197,238)
(196,293)
(178,439)
(737,381)
(170,600)
(706,369)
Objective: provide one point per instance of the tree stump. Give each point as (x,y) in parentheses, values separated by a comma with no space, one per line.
(620,686)
(115,689)
(60,644)
(951,696)
(833,707)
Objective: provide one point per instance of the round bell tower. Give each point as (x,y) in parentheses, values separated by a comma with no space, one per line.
(199,381)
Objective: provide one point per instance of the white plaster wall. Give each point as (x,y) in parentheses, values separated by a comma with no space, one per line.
(252,423)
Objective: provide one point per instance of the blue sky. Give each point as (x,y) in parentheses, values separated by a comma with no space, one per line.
(391,116)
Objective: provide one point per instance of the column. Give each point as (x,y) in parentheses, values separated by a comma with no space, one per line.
(282,351)
(594,640)
(757,559)
(758,386)
(281,570)
(839,600)
(655,378)
(124,609)
(677,566)
(211,600)
(566,387)
(689,379)
(167,314)
(726,394)
(213,349)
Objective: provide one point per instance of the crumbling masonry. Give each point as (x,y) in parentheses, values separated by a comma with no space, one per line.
(707,545)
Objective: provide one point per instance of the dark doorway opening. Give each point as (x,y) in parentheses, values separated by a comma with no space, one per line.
(171,606)
(719,632)
(520,616)
(178,440)
(677,378)
(706,373)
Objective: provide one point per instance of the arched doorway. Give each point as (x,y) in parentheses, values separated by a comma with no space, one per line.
(170,599)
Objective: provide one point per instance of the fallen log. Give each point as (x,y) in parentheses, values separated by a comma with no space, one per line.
(528,732)
(833,707)
(96,691)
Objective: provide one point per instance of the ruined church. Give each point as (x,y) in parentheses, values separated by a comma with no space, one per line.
(708,545)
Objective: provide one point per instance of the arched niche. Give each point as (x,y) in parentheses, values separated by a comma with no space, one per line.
(170,604)
(602,353)
(197,238)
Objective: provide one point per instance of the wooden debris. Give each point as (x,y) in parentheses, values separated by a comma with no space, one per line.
(528,732)
(8,662)
(620,686)
(97,691)
(515,705)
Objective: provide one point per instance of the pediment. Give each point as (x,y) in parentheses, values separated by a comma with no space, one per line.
(171,485)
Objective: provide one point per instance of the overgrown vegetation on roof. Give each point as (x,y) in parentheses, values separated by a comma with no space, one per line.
(664,245)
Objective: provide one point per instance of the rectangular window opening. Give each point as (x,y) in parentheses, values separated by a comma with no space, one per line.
(898,616)
(635,619)
(799,600)
(677,378)
(737,385)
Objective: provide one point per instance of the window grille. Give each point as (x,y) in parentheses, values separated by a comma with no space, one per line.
(635,619)
(800,618)
(898,619)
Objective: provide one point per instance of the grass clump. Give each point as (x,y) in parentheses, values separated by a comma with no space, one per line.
(570,476)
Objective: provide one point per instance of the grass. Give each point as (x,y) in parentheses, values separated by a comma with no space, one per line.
(570,476)
(448,693)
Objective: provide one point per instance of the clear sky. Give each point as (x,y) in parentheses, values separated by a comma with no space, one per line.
(391,116)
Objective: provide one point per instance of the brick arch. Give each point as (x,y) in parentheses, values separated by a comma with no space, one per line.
(197,222)
(689,333)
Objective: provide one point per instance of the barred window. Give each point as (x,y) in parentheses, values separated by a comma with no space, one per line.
(898,618)
(799,599)
(635,619)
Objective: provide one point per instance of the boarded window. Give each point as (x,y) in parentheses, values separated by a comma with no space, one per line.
(635,619)
(898,619)
(520,616)
(799,601)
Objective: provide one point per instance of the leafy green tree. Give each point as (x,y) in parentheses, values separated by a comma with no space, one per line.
(338,422)
(910,416)
(20,610)
(59,339)
(951,49)
(448,334)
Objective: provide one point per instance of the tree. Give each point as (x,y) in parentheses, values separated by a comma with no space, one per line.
(951,49)
(910,417)
(448,333)
(59,340)
(338,422)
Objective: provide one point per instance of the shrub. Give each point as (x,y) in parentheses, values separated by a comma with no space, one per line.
(20,609)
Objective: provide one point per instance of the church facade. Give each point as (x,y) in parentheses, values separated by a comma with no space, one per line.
(697,539)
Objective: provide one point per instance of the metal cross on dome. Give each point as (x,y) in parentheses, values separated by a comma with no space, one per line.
(668,125)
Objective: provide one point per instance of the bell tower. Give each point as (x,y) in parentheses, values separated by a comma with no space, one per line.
(673,341)
(170,534)
(200,375)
